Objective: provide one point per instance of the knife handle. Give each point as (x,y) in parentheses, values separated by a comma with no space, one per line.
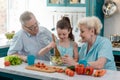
(56,51)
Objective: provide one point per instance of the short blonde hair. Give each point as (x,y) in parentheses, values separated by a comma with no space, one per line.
(91,22)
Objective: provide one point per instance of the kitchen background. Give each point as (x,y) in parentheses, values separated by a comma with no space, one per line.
(112,24)
(48,16)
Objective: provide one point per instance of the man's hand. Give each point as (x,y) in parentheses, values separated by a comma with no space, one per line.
(24,58)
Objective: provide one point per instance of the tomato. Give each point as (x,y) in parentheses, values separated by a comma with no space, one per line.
(38,63)
(7,63)
(88,70)
(79,69)
(69,72)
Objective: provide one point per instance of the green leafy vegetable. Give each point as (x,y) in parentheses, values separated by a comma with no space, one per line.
(14,60)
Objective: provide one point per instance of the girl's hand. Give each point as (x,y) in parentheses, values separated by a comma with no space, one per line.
(68,60)
(47,48)
(51,45)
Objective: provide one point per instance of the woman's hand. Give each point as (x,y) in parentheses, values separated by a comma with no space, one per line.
(69,60)
(101,62)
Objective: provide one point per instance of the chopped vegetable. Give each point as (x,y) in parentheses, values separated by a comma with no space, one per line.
(56,60)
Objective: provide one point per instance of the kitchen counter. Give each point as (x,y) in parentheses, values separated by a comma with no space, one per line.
(14,71)
(4,46)
(116,49)
(4,43)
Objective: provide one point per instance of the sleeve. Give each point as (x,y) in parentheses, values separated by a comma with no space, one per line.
(48,35)
(106,50)
(16,44)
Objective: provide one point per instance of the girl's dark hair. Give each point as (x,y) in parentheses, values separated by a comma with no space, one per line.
(64,23)
(67,19)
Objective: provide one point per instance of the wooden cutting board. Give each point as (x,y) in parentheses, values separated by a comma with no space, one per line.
(49,70)
(43,68)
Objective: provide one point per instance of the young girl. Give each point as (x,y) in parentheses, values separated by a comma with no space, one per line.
(65,44)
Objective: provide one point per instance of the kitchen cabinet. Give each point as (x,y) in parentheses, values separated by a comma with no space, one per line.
(93,7)
(116,53)
(70,3)
(3,51)
(117,59)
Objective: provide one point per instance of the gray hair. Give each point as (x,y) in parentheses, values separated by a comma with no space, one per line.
(26,16)
(91,22)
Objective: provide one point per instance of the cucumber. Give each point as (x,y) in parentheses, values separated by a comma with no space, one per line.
(71,67)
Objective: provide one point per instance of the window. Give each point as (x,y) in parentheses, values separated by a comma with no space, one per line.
(15,8)
(3,14)
(10,12)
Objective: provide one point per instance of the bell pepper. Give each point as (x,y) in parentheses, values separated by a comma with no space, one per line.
(79,69)
(88,70)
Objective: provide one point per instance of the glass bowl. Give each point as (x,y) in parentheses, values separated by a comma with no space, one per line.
(56,60)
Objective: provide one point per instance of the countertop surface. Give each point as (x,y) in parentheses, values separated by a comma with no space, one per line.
(20,70)
(4,43)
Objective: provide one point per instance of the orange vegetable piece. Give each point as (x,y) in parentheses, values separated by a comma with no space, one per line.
(99,73)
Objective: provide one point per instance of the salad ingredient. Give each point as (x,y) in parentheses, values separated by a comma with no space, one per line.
(7,63)
(99,73)
(79,69)
(69,72)
(13,59)
(88,70)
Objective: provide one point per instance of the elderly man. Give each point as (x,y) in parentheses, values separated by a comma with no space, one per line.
(30,39)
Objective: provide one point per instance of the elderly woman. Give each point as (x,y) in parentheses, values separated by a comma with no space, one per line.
(97,50)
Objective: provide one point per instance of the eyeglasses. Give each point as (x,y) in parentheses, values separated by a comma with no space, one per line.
(33,27)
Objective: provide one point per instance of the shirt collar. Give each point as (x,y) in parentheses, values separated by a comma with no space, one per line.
(94,44)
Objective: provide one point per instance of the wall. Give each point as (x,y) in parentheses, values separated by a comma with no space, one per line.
(53,14)
(112,23)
